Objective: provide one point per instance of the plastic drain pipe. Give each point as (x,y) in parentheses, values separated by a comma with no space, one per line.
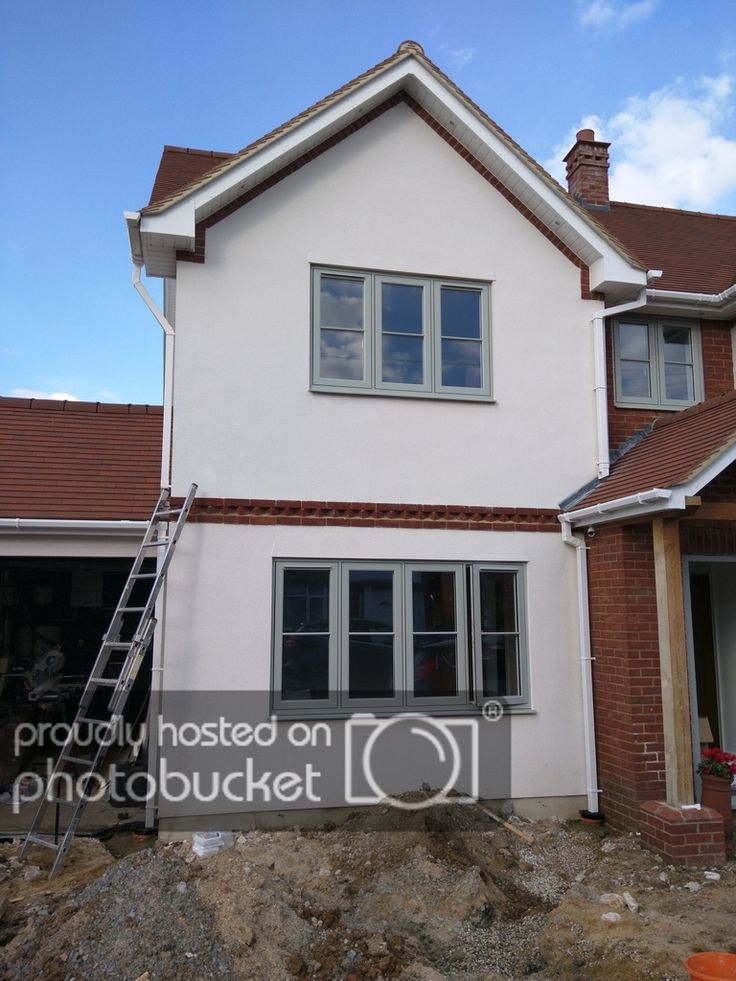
(586,670)
(601,388)
(159,638)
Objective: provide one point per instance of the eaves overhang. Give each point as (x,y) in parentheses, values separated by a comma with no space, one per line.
(170,226)
(713,306)
(647,503)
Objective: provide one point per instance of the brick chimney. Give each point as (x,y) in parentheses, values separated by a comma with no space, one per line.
(587,170)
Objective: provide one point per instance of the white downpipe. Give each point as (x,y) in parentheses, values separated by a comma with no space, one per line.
(586,672)
(157,668)
(169,337)
(601,387)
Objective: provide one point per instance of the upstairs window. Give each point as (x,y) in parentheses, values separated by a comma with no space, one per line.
(382,334)
(658,362)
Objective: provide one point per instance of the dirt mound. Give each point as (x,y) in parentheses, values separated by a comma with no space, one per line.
(444,893)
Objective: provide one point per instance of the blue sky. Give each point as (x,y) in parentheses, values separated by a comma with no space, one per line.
(90,91)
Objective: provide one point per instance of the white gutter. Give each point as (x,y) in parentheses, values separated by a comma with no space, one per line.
(586,661)
(696,299)
(64,526)
(601,388)
(660,498)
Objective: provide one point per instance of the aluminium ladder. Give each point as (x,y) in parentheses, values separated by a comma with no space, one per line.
(115,668)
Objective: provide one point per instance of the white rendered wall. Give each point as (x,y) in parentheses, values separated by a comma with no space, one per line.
(394,196)
(219,615)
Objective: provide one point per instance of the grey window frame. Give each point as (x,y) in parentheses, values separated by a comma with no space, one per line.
(469,659)
(372,383)
(656,327)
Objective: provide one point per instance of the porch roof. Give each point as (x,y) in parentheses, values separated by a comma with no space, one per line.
(681,452)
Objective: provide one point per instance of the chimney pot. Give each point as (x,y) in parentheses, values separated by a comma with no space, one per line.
(585,134)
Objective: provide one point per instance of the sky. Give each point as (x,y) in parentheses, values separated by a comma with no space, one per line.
(90,91)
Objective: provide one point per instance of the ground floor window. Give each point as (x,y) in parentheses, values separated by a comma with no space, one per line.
(390,635)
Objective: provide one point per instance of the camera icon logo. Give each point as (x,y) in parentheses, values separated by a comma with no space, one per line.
(395,747)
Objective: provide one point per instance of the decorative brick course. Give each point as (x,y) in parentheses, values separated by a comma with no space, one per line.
(259,511)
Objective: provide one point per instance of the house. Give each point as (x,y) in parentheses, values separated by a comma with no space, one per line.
(78,481)
(393,346)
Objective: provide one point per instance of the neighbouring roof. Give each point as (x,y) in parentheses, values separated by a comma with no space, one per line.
(181,166)
(83,460)
(695,251)
(678,448)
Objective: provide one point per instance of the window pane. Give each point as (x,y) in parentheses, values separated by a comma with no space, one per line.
(371,600)
(371,666)
(306,600)
(498,601)
(435,665)
(635,379)
(305,666)
(341,302)
(500,666)
(401,308)
(677,344)
(460,312)
(433,595)
(633,341)
(461,364)
(403,359)
(678,382)
(341,354)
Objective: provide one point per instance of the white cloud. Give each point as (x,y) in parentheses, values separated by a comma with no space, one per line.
(458,55)
(610,15)
(33,393)
(671,147)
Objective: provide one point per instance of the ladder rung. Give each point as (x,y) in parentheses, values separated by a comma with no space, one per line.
(166,514)
(77,759)
(118,644)
(107,682)
(159,541)
(144,575)
(35,840)
(95,722)
(131,609)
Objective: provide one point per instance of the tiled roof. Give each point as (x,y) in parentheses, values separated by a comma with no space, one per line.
(84,460)
(695,251)
(674,452)
(181,166)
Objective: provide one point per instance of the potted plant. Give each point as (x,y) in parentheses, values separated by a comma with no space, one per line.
(717,769)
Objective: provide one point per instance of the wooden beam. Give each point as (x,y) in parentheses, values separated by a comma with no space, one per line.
(714,511)
(678,752)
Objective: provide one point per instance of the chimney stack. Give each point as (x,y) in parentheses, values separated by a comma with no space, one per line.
(587,170)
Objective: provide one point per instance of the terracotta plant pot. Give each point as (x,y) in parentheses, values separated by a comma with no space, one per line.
(716,793)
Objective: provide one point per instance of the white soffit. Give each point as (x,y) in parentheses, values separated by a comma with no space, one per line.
(174,227)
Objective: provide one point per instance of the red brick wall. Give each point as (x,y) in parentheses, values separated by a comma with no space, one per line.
(717,378)
(723,488)
(627,688)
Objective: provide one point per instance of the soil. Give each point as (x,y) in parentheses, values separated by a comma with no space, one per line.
(444,893)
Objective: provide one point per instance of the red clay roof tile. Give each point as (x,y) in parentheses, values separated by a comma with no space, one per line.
(696,252)
(676,450)
(85,460)
(181,166)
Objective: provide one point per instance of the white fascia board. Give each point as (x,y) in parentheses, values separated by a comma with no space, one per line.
(711,471)
(633,505)
(611,266)
(180,218)
(62,526)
